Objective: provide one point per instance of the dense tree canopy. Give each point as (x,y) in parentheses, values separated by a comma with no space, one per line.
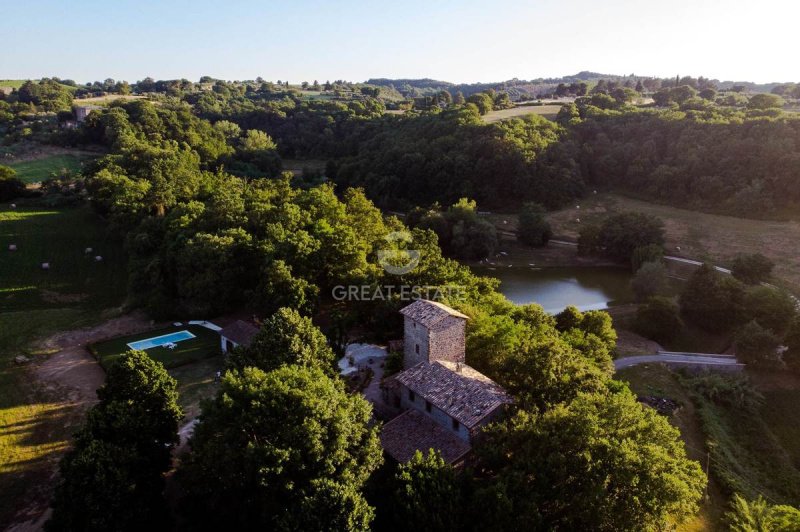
(533,228)
(428,495)
(281,450)
(286,338)
(752,268)
(601,462)
(113,478)
(712,300)
(618,236)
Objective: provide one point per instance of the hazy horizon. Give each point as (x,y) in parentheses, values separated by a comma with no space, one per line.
(355,40)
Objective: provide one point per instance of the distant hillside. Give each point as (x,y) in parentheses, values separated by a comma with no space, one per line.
(526,89)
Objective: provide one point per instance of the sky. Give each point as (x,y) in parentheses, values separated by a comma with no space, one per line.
(459,41)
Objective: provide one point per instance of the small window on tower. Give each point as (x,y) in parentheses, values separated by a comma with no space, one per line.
(428,406)
(455,424)
(416,348)
(411,395)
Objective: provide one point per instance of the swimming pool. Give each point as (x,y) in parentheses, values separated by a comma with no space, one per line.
(158,341)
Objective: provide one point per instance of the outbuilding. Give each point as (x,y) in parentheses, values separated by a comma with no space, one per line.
(236,334)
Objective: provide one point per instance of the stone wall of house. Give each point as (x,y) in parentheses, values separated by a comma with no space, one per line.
(494,415)
(415,343)
(419,403)
(446,341)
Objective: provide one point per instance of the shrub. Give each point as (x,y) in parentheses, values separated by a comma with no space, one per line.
(770,307)
(730,390)
(658,320)
(752,268)
(712,300)
(644,254)
(618,236)
(650,280)
(757,345)
(534,229)
(792,341)
(10,186)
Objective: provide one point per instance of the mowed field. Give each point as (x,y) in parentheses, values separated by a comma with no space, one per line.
(547,111)
(36,423)
(17,83)
(37,170)
(103,100)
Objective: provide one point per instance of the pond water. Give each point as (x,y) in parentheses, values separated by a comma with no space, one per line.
(592,288)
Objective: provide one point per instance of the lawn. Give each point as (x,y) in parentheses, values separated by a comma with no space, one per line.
(38,170)
(547,111)
(196,382)
(205,344)
(36,424)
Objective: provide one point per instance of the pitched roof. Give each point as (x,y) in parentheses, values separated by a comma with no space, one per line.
(239,332)
(460,391)
(413,431)
(429,313)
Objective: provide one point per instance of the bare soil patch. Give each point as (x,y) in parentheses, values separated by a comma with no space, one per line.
(67,380)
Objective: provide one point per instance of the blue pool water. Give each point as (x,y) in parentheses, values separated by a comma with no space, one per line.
(158,341)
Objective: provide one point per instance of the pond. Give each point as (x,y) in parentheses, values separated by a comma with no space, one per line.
(588,288)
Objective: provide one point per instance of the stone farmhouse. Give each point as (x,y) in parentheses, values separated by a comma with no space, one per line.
(444,402)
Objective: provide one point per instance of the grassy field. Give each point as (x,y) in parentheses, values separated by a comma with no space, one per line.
(196,382)
(205,344)
(17,83)
(547,111)
(75,279)
(103,100)
(35,424)
(37,170)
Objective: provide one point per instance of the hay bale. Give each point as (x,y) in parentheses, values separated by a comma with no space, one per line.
(13,205)
(12,247)
(88,250)
(98,258)
(45,265)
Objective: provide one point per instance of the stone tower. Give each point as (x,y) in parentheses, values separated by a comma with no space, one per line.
(433,331)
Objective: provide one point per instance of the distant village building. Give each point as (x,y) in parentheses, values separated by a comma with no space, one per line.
(445,402)
(236,334)
(82,111)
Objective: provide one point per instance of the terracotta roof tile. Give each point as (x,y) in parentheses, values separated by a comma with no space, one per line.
(413,431)
(460,391)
